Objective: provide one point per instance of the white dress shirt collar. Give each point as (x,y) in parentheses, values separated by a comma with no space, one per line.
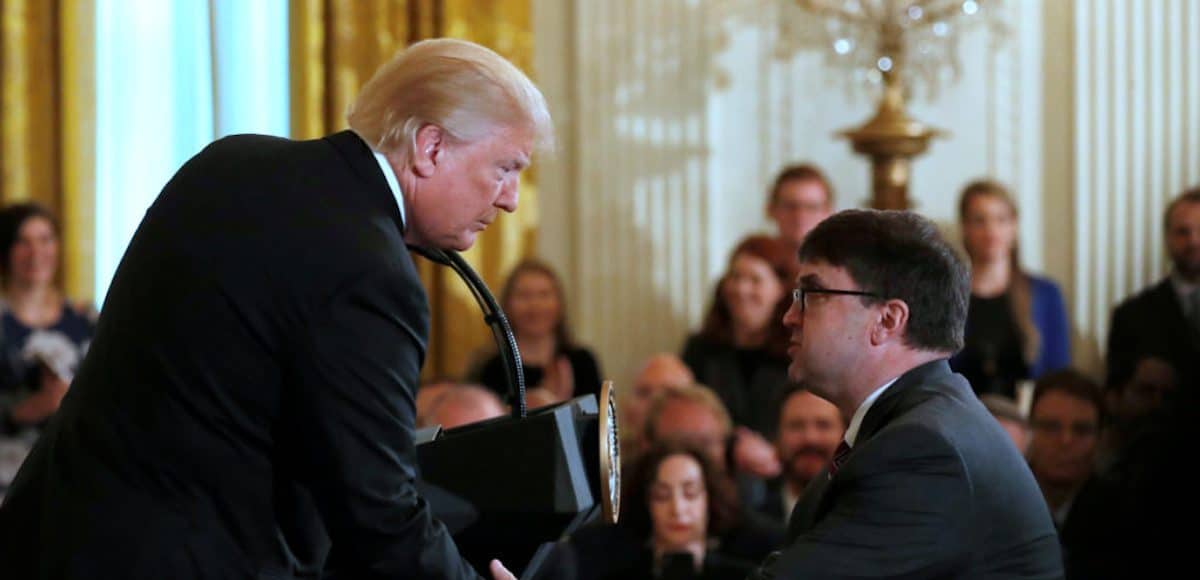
(856,421)
(390,175)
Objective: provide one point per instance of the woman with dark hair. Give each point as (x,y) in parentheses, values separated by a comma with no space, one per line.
(42,336)
(1017,324)
(674,505)
(741,349)
(534,302)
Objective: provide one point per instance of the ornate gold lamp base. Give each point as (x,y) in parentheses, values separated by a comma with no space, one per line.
(891,139)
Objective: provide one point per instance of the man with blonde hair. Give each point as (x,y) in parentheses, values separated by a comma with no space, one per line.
(247,406)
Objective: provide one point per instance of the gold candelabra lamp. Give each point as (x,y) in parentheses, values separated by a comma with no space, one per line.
(889,43)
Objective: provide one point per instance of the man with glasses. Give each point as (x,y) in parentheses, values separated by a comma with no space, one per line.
(1066,417)
(925,484)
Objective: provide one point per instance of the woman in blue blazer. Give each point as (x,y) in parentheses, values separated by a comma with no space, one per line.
(1017,324)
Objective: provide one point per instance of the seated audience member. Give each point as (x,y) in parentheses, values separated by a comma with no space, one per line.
(534,302)
(661,371)
(693,416)
(1009,416)
(676,506)
(1089,512)
(428,394)
(810,429)
(741,349)
(1017,325)
(1135,406)
(464,404)
(43,337)
(799,199)
(1164,320)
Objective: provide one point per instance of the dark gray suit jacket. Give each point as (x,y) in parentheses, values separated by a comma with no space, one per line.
(246,408)
(933,488)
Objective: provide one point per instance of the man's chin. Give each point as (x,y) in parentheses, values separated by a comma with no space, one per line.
(462,243)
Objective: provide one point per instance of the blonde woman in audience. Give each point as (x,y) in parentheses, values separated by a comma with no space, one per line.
(1017,323)
(533,299)
(43,337)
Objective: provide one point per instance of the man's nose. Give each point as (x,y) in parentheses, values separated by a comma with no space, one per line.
(792,317)
(509,195)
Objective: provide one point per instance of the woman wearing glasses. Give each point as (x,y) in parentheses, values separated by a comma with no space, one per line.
(1017,323)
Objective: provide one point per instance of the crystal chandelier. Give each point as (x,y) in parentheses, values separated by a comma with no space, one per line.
(890,43)
(873,40)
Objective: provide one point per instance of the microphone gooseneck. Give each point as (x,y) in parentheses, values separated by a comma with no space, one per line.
(506,341)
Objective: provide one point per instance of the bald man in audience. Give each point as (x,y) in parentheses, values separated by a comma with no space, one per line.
(428,396)
(464,404)
(659,372)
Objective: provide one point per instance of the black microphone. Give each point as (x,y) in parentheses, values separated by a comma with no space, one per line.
(506,341)
(509,486)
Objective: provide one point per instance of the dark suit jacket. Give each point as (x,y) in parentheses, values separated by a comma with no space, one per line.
(246,409)
(1153,323)
(933,488)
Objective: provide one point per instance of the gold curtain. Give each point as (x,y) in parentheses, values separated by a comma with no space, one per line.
(336,45)
(47,115)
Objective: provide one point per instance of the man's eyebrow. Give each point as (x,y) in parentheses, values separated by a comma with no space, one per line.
(810,281)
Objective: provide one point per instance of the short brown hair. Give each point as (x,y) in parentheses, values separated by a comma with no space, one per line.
(899,255)
(800,172)
(1190,196)
(1072,383)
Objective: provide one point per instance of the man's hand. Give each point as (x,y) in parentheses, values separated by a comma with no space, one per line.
(499,572)
(754,455)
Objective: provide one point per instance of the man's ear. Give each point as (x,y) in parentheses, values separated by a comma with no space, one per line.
(893,321)
(430,143)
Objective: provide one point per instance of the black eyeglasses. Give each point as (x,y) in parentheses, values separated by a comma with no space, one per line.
(800,295)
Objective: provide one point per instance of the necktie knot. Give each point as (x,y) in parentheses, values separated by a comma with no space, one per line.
(839,457)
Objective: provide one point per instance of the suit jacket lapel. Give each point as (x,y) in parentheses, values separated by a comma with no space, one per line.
(898,397)
(816,501)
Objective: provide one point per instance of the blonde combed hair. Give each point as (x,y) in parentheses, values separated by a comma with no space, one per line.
(466,89)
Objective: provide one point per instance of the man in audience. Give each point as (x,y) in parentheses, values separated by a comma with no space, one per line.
(661,371)
(463,404)
(1009,416)
(1066,417)
(1164,320)
(428,395)
(1135,405)
(801,196)
(809,431)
